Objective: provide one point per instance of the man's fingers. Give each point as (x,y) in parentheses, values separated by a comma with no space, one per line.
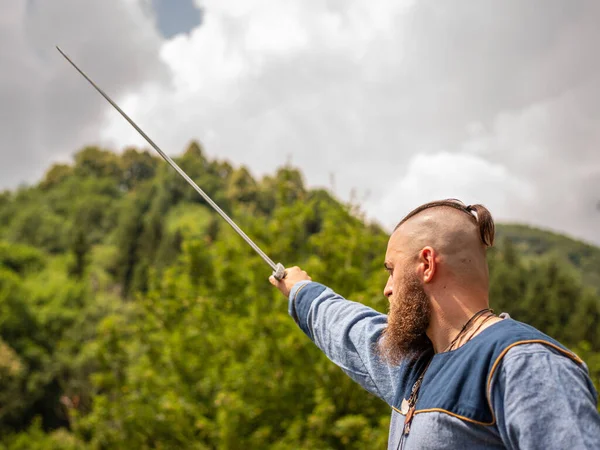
(293,276)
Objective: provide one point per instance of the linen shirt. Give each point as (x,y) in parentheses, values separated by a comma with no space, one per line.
(540,396)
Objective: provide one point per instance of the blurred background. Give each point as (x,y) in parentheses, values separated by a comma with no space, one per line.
(132,317)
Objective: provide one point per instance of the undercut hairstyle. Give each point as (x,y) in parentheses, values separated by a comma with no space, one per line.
(478,213)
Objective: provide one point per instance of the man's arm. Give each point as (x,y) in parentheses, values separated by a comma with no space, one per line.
(544,400)
(347,332)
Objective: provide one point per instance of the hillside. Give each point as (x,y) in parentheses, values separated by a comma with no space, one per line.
(131,316)
(530,241)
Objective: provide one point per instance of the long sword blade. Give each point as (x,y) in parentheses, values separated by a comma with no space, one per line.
(277,268)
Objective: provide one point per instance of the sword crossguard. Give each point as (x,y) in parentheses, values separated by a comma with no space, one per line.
(279,273)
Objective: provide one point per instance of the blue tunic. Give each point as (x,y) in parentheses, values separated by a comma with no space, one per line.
(510,386)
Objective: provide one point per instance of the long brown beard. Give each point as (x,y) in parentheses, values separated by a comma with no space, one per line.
(408,318)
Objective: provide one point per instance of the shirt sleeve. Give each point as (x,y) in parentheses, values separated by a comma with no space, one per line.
(347,332)
(544,400)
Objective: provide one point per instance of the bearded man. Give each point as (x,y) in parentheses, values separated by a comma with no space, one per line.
(455,374)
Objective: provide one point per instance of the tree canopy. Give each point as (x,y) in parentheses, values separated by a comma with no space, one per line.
(132,316)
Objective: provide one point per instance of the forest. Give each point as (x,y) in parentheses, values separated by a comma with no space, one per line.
(133,317)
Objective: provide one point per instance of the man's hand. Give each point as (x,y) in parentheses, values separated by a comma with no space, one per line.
(292,276)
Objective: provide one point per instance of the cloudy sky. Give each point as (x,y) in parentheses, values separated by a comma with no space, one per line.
(400,102)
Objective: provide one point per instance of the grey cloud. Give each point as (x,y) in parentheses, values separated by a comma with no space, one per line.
(477,62)
(48,109)
(515,83)
(449,64)
(553,145)
(497,56)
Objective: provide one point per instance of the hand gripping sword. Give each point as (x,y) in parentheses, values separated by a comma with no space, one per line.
(278,269)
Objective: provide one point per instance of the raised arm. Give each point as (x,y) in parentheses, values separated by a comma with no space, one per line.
(347,332)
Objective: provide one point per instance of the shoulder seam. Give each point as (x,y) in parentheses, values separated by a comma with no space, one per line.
(545,350)
(567,353)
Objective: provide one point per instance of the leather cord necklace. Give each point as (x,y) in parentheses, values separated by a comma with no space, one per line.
(469,322)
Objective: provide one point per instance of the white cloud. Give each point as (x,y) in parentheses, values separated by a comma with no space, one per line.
(256,94)
(449,175)
(378,93)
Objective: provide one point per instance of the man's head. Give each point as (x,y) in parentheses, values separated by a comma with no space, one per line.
(437,266)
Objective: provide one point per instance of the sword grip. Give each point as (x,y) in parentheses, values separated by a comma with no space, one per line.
(279,273)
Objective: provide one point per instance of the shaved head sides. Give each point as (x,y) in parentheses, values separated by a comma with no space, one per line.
(477,213)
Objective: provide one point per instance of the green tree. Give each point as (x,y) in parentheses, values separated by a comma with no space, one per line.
(132,316)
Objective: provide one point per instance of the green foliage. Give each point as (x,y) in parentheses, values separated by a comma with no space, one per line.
(581,256)
(131,316)
(20,258)
(39,227)
(56,175)
(94,162)
(35,438)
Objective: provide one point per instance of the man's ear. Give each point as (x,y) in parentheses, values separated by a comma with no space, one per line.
(427,264)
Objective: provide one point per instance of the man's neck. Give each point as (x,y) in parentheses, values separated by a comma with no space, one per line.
(445,327)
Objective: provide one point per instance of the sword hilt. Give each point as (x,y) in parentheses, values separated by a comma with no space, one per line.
(279,272)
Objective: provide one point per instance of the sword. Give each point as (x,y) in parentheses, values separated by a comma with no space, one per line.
(278,269)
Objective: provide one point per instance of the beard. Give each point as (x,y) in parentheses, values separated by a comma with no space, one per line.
(408,318)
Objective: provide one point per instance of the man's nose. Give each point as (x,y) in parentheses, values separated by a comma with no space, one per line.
(387,290)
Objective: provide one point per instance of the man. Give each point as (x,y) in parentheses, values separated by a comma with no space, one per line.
(455,374)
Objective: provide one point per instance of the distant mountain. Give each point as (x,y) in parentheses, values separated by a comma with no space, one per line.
(530,241)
